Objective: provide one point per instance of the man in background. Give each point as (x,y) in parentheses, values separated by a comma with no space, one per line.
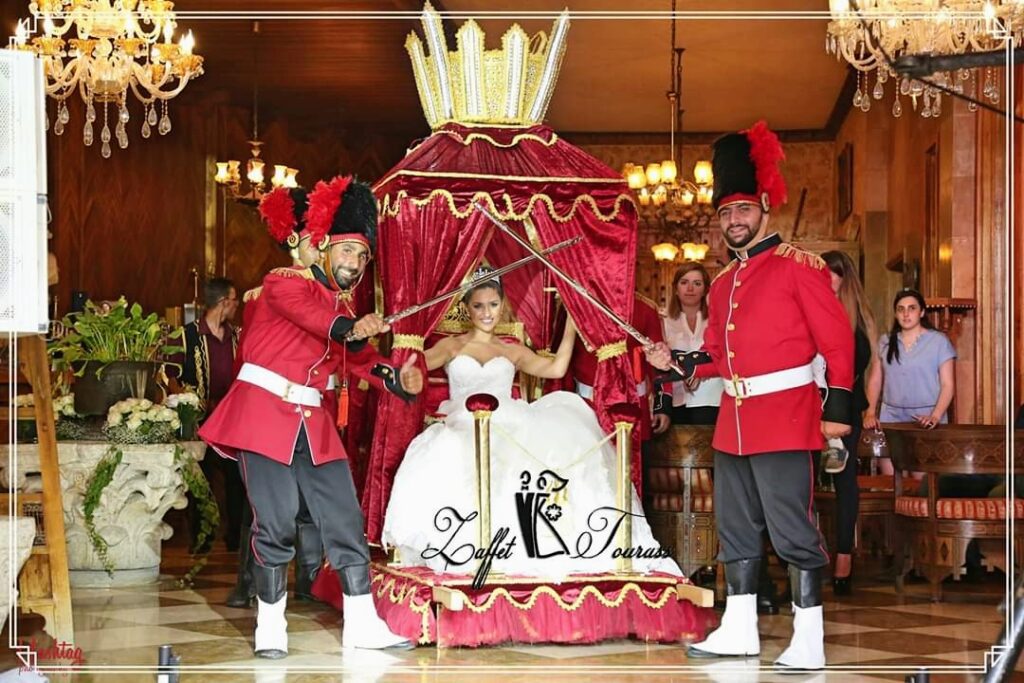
(208,368)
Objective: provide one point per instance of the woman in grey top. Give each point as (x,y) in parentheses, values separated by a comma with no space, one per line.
(915,375)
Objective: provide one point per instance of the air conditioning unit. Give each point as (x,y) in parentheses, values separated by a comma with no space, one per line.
(23,293)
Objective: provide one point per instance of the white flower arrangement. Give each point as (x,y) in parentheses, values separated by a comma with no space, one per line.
(189,409)
(138,420)
(67,422)
(184,399)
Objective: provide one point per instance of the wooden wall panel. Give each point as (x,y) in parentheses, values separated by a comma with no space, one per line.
(135,224)
(130,225)
(992,271)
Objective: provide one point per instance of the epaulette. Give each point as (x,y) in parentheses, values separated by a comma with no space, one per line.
(725,270)
(252,294)
(294,271)
(802,257)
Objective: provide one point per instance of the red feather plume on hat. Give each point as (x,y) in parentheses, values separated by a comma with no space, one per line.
(278,211)
(324,201)
(766,153)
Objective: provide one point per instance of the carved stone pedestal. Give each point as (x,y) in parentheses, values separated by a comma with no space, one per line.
(129,517)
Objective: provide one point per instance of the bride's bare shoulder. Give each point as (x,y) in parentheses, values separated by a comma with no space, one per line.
(511,350)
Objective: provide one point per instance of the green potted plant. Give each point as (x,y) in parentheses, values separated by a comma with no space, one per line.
(113,350)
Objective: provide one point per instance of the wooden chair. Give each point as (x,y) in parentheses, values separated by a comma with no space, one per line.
(934,532)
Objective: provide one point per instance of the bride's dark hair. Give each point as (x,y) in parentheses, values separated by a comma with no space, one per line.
(494,284)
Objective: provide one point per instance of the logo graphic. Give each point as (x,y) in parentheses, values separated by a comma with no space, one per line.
(539,505)
(532,508)
(60,653)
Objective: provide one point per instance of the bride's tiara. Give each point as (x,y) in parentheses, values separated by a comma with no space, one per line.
(481,273)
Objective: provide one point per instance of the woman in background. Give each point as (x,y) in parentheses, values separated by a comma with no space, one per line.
(847,286)
(914,375)
(694,402)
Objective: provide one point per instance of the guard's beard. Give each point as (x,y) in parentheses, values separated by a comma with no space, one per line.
(345,277)
(740,242)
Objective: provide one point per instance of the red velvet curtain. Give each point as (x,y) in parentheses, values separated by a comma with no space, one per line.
(424,251)
(431,236)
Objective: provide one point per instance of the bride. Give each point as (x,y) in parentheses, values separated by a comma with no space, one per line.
(553,505)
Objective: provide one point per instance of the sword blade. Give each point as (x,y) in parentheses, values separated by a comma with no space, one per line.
(644,340)
(416,308)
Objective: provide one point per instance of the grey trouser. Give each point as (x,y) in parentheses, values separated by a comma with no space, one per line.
(773,490)
(274,490)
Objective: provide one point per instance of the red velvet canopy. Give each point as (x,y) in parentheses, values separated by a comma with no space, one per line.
(431,237)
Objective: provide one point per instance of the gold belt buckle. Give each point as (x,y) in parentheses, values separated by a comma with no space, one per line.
(739,387)
(287,389)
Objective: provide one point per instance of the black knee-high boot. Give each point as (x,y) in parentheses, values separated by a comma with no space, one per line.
(244,592)
(309,556)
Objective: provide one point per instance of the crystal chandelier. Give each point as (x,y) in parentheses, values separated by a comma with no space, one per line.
(680,207)
(120,45)
(228,173)
(910,27)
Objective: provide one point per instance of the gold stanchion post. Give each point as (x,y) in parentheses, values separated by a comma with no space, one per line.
(482,443)
(624,490)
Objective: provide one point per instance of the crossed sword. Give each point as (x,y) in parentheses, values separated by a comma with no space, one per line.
(535,255)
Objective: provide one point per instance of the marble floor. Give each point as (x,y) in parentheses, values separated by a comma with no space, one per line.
(874,634)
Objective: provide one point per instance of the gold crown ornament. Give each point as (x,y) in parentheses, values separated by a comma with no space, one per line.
(511,86)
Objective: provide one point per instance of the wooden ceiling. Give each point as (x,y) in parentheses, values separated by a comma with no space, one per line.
(354,72)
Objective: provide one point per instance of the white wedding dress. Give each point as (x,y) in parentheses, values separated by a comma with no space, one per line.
(535,447)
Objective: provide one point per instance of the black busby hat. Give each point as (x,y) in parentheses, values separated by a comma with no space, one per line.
(341,210)
(745,166)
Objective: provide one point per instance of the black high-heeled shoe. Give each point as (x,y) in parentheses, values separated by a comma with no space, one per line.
(842,585)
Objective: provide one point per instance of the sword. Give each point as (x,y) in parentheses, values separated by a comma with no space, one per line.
(644,340)
(416,308)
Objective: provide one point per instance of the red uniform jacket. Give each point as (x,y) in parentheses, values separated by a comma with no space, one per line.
(646,320)
(328,398)
(771,311)
(289,332)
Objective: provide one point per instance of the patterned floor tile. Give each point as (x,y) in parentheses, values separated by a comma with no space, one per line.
(983,631)
(964,612)
(131,636)
(886,618)
(904,642)
(181,613)
(875,627)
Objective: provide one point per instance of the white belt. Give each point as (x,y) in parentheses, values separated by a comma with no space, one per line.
(332,382)
(279,386)
(745,387)
(586,391)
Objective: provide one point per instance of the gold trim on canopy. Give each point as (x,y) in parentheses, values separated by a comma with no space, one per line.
(491,176)
(407,341)
(391,206)
(612,350)
(519,137)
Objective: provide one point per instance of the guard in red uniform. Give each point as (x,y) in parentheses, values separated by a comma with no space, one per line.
(283,210)
(771,312)
(274,423)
